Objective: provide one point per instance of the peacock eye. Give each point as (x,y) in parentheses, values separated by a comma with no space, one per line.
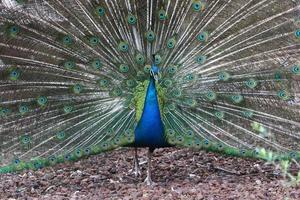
(201,59)
(4,112)
(162,14)
(168,83)
(42,101)
(78,151)
(77,89)
(96,64)
(190,133)
(52,159)
(37,165)
(94,40)
(104,145)
(171,43)
(150,36)
(23,109)
(198,6)
(296,69)
(172,70)
(189,77)
(202,37)
(243,152)
(131,19)
(25,139)
(147,68)
(297,33)
(60,135)
(100,11)
(237,98)
(14,30)
(206,142)
(103,82)
(157,59)
(256,152)
(140,59)
(248,114)
(117,92)
(211,95)
(180,139)
(68,157)
(224,76)
(14,74)
(251,83)
(197,142)
(170,132)
(124,68)
(17,161)
(87,151)
(219,114)
(172,107)
(69,65)
(176,92)
(123,46)
(282,94)
(278,76)
(191,102)
(68,109)
(67,40)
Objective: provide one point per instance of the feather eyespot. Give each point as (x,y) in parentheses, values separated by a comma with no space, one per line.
(100,11)
(202,37)
(150,36)
(297,33)
(131,19)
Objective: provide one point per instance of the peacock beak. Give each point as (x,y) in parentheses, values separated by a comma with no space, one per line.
(156,76)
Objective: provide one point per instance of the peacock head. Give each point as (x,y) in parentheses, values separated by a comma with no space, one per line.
(154,71)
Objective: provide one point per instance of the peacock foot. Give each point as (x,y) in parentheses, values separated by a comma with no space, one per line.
(136,171)
(149,181)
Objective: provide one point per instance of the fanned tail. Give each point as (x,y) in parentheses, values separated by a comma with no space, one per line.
(72,76)
(237,79)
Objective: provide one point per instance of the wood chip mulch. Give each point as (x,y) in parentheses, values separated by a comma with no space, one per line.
(178,174)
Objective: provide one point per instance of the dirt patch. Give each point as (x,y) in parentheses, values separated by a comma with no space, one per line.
(178,173)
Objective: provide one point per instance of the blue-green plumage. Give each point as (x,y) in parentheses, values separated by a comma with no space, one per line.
(149,131)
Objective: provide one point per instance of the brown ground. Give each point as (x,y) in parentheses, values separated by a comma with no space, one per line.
(179,174)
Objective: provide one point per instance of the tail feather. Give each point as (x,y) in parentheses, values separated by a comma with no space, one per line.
(72,76)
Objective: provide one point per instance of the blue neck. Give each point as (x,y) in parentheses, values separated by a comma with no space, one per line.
(149,131)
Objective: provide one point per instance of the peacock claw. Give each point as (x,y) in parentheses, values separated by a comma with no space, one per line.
(149,181)
(136,171)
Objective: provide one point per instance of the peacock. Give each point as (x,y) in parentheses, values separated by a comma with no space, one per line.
(82,77)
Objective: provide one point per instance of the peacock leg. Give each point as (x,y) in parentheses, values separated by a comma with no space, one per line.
(137,171)
(148,179)
(136,167)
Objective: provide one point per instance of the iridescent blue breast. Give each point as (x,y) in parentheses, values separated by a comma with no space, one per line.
(149,131)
